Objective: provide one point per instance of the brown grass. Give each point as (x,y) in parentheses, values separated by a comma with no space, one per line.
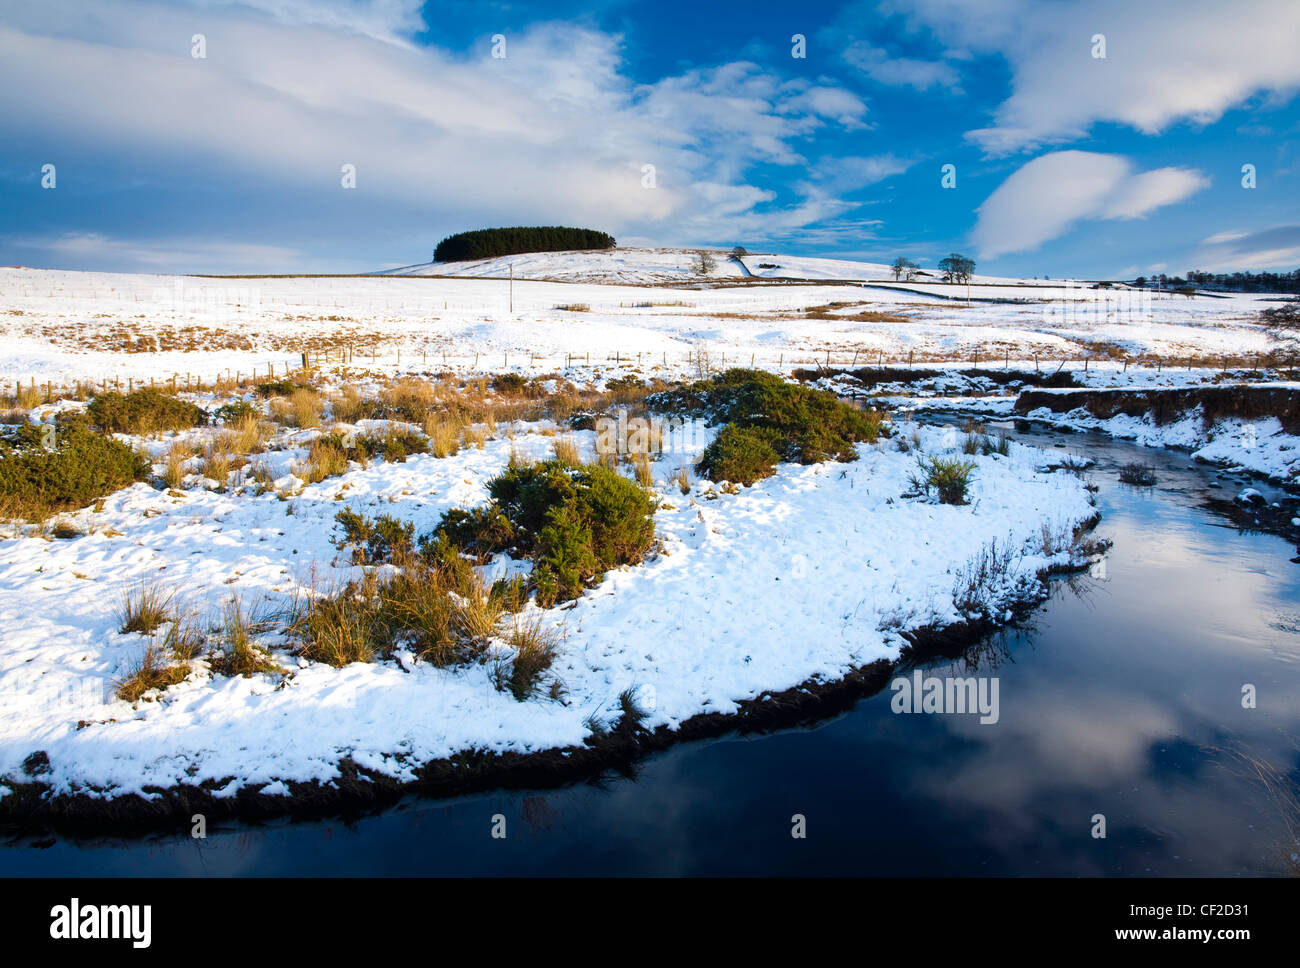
(151,671)
(534,646)
(566,450)
(644,473)
(303,408)
(324,460)
(238,655)
(145,606)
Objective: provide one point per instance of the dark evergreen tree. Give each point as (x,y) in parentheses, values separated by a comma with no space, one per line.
(490,243)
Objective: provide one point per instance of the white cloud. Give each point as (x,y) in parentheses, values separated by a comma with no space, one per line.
(1048,195)
(75,249)
(877,64)
(1273,248)
(1166,60)
(291,90)
(390,20)
(1139,194)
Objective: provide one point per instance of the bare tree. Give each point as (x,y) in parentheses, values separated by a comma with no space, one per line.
(904,268)
(957,268)
(704,263)
(1282,322)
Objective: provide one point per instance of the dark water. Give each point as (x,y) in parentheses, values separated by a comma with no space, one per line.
(1123,699)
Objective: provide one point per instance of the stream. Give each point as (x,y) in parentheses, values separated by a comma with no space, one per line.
(1122,696)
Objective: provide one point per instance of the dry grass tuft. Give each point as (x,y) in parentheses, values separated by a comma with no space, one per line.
(145,606)
(238,655)
(148,673)
(325,459)
(303,408)
(534,646)
(567,451)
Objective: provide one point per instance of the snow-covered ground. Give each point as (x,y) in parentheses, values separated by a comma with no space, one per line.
(1257,445)
(62,326)
(659,266)
(806,574)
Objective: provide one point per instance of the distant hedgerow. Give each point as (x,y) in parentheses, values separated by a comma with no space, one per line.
(489,243)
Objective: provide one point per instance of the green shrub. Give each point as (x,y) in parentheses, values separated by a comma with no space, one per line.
(741,455)
(394,447)
(575,522)
(145,411)
(567,555)
(279,388)
(629,382)
(947,476)
(481,532)
(526,493)
(511,593)
(509,384)
(810,425)
(232,413)
(80,467)
(383,540)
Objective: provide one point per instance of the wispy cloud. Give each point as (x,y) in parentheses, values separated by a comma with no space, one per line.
(1048,195)
(291,90)
(180,254)
(1272,248)
(1166,60)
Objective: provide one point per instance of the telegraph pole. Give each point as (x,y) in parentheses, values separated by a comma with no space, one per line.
(512,287)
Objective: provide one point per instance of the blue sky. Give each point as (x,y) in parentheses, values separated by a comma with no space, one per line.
(1066,163)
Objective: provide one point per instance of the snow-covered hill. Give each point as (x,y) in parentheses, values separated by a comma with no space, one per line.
(663,266)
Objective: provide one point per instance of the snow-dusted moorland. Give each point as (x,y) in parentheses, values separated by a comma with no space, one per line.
(813,572)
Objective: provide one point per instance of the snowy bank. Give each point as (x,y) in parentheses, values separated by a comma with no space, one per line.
(809,575)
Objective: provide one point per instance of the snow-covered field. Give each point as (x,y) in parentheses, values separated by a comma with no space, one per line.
(63,326)
(807,574)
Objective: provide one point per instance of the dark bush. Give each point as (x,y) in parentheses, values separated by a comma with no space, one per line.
(480,532)
(1135,472)
(279,388)
(146,411)
(385,539)
(234,412)
(811,425)
(510,593)
(575,522)
(741,455)
(394,447)
(510,384)
(79,467)
(489,243)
